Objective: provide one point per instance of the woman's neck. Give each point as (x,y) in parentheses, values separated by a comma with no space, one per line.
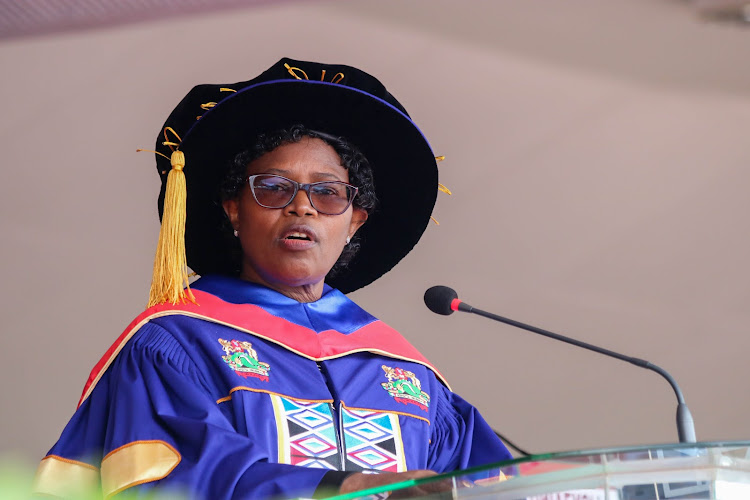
(300,293)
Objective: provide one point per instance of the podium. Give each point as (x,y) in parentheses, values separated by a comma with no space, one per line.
(696,471)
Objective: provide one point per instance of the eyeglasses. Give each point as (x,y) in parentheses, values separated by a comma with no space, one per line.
(327,197)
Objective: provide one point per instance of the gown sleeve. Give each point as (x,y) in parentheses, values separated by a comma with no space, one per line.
(461,438)
(151,425)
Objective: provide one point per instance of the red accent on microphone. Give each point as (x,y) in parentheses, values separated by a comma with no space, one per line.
(454,304)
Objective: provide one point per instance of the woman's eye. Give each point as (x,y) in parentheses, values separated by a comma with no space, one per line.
(327,190)
(275,186)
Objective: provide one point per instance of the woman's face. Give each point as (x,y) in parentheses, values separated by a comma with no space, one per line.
(294,246)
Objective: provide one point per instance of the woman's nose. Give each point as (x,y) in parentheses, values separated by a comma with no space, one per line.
(301,204)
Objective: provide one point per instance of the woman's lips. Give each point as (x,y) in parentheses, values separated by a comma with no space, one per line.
(292,244)
(298,238)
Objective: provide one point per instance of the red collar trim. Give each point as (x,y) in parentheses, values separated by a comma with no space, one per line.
(376,337)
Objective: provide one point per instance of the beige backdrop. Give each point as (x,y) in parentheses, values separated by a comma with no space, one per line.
(598,156)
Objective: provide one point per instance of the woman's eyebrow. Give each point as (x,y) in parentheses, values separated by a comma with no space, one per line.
(316,175)
(326,175)
(277,171)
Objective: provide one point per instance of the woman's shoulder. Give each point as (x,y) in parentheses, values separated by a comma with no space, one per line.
(155,329)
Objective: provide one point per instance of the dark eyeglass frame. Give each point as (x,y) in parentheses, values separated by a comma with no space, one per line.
(306,188)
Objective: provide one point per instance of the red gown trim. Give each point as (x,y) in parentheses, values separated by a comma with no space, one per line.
(374,337)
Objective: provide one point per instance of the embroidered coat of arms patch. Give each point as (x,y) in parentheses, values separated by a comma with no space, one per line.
(242,358)
(405,387)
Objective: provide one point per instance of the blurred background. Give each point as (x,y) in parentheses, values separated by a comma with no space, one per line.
(597,152)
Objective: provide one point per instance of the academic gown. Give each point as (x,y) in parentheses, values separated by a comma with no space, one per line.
(251,394)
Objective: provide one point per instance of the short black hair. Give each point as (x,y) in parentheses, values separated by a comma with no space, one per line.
(352,159)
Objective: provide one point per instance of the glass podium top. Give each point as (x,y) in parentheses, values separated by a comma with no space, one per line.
(697,471)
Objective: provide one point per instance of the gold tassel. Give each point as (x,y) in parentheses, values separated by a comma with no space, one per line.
(170,280)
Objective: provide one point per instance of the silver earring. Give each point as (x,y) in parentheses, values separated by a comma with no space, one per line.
(348,239)
(236,233)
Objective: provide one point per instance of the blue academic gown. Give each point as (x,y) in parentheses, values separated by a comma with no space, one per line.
(251,394)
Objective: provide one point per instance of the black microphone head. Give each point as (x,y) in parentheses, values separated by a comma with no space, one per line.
(438,299)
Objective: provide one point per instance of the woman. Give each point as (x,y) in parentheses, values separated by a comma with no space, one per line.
(262,379)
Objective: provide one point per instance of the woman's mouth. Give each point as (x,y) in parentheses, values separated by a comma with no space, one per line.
(298,238)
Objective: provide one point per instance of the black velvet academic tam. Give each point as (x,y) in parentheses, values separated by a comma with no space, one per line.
(215,122)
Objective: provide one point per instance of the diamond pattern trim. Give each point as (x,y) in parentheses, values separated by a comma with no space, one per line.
(306,434)
(370,439)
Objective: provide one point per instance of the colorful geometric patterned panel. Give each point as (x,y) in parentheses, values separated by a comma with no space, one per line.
(373,441)
(306,433)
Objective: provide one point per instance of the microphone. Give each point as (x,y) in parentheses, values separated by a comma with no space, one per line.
(444,300)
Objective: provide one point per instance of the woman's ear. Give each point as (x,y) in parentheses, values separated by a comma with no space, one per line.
(359,217)
(232,209)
